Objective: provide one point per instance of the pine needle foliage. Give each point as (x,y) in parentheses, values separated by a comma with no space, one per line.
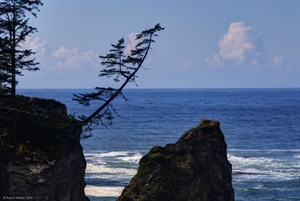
(119,67)
(14,29)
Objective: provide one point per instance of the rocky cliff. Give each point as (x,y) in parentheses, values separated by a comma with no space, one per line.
(40,153)
(194,168)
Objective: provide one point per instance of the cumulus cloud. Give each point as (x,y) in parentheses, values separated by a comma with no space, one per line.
(279,63)
(187,64)
(36,45)
(41,49)
(62,60)
(72,59)
(215,61)
(132,43)
(277,59)
(240,45)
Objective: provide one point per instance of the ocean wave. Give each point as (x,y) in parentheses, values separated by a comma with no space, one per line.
(263,150)
(246,160)
(114,158)
(266,168)
(113,154)
(106,154)
(114,168)
(297,156)
(135,158)
(91,168)
(105,191)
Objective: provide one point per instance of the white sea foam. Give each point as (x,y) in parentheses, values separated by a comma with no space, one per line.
(135,158)
(113,153)
(266,168)
(112,160)
(98,154)
(260,150)
(122,155)
(111,167)
(117,167)
(91,168)
(113,191)
(247,161)
(106,167)
(297,156)
(260,186)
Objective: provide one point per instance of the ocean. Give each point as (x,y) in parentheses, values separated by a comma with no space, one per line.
(261,129)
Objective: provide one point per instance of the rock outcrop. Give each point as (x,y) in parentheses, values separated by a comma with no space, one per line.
(40,153)
(195,168)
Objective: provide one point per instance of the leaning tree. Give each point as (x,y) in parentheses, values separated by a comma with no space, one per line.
(14,29)
(122,68)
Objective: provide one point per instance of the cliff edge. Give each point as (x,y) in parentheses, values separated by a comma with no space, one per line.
(40,153)
(195,168)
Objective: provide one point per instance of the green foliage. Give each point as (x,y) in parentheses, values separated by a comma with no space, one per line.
(29,180)
(208,123)
(119,66)
(159,177)
(33,128)
(14,29)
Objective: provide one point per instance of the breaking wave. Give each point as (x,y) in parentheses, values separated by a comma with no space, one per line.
(108,172)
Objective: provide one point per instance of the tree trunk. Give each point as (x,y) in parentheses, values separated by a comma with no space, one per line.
(13,57)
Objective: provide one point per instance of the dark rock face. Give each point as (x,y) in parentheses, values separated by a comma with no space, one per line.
(40,156)
(195,168)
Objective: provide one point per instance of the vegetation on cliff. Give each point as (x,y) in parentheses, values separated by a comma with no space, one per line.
(33,128)
(40,152)
(194,168)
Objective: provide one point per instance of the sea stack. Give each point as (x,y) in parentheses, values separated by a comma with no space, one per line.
(40,153)
(195,168)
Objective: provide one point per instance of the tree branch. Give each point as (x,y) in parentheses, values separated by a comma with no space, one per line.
(136,59)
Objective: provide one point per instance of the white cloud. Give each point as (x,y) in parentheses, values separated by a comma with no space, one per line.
(132,43)
(277,59)
(60,60)
(72,59)
(215,61)
(41,49)
(239,46)
(242,46)
(187,64)
(279,63)
(36,45)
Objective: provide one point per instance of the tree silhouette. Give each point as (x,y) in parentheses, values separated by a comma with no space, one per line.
(14,29)
(4,67)
(120,67)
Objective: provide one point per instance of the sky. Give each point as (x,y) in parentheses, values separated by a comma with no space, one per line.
(205,44)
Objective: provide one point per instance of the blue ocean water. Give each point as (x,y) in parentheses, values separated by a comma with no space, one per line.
(261,128)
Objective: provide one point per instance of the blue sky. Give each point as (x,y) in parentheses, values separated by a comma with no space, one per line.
(205,44)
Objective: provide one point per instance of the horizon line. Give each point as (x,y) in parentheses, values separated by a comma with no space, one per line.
(166,88)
